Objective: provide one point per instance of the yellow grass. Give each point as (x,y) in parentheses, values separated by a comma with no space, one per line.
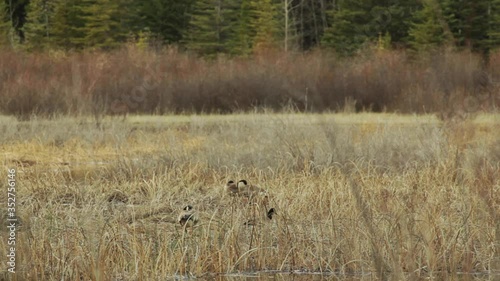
(381,194)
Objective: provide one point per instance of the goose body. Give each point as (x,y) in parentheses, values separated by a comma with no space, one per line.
(187,217)
(249,190)
(232,188)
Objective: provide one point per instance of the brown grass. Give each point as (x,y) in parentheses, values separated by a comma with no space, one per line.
(137,81)
(399,197)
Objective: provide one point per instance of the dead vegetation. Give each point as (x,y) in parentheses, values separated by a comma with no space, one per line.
(391,195)
(130,80)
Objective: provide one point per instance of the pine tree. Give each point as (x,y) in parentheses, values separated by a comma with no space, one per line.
(253,25)
(102,28)
(38,27)
(5,24)
(167,19)
(266,25)
(427,32)
(242,32)
(13,21)
(130,17)
(468,22)
(350,28)
(399,18)
(359,21)
(208,32)
(306,22)
(494,25)
(69,24)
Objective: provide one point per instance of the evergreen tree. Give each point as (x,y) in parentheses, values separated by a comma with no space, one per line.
(209,28)
(102,28)
(350,28)
(494,25)
(307,20)
(14,21)
(167,19)
(38,27)
(468,21)
(359,21)
(4,23)
(266,25)
(427,32)
(69,24)
(130,17)
(242,32)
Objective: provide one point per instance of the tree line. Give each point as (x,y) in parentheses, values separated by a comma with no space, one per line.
(242,27)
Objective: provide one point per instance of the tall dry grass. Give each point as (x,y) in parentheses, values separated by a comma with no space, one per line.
(132,80)
(397,197)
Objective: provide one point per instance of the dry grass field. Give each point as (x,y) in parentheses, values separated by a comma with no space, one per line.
(381,195)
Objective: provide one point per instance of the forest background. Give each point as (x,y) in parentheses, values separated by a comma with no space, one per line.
(159,56)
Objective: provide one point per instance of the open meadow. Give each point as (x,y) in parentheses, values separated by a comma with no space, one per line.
(361,196)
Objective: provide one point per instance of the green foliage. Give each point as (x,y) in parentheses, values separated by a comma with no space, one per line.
(256,26)
(350,28)
(494,26)
(265,24)
(102,25)
(167,19)
(74,24)
(236,27)
(357,22)
(209,28)
(4,23)
(384,42)
(427,32)
(468,22)
(144,38)
(38,27)
(240,27)
(69,24)
(12,18)
(243,33)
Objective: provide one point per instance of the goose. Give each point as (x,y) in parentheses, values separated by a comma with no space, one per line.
(249,190)
(254,193)
(268,216)
(187,217)
(232,188)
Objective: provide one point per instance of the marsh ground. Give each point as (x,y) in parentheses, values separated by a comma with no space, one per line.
(389,195)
